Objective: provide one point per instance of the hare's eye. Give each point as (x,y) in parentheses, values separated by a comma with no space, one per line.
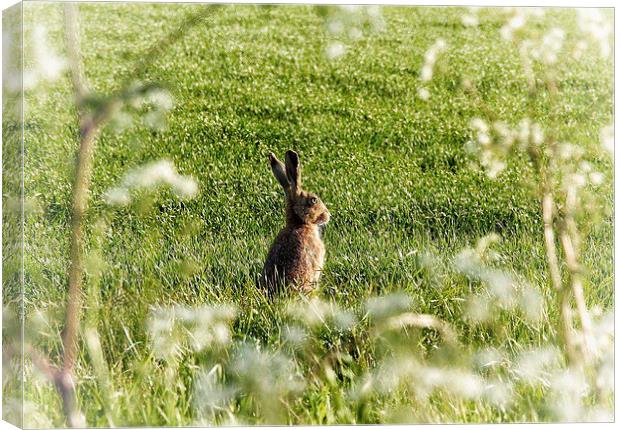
(313,200)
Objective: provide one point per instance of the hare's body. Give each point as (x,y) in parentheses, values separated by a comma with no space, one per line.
(297,255)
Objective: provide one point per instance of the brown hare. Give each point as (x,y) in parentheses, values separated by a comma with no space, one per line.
(296,257)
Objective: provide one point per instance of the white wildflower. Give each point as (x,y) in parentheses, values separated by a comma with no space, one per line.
(501,128)
(523,134)
(48,65)
(209,326)
(117,197)
(11,56)
(607,138)
(487,358)
(455,381)
(172,329)
(184,186)
(355,33)
(592,22)
(266,375)
(427,73)
(164,340)
(478,309)
(568,388)
(344,320)
(465,384)
(388,306)
(498,392)
(424,94)
(550,46)
(335,26)
(149,176)
(295,335)
(480,125)
(580,48)
(537,134)
(501,286)
(494,167)
(600,415)
(533,365)
(531,304)
(335,50)
(393,371)
(312,313)
(469,20)
(569,151)
(214,395)
(430,58)
(317,312)
(483,139)
(373,10)
(160,98)
(575,180)
(585,167)
(515,23)
(350,8)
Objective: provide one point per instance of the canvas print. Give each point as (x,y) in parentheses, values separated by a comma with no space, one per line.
(251,214)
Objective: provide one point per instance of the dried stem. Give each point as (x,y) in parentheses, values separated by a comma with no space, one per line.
(569,239)
(74,52)
(552,258)
(564,291)
(566,328)
(88,132)
(577,288)
(91,122)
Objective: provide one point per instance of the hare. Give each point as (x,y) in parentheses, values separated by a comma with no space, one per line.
(297,254)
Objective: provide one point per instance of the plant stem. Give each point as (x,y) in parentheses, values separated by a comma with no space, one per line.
(90,123)
(565,331)
(569,239)
(88,132)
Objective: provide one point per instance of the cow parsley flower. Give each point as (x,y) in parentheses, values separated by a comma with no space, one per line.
(150,176)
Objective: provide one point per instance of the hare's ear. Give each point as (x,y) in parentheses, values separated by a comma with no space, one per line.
(293,171)
(277,167)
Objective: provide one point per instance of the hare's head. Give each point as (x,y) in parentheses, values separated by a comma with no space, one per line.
(302,206)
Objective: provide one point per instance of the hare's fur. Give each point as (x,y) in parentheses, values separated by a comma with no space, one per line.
(297,255)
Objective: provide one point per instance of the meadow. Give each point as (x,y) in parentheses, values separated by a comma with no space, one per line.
(405,195)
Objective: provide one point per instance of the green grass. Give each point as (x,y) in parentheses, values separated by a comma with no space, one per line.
(391,168)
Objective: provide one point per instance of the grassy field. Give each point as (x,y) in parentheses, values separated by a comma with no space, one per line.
(391,168)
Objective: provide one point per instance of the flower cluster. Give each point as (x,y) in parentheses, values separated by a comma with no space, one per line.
(471,19)
(501,290)
(173,330)
(607,138)
(47,65)
(430,58)
(518,20)
(315,313)
(549,47)
(151,176)
(491,144)
(592,22)
(348,22)
(148,101)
